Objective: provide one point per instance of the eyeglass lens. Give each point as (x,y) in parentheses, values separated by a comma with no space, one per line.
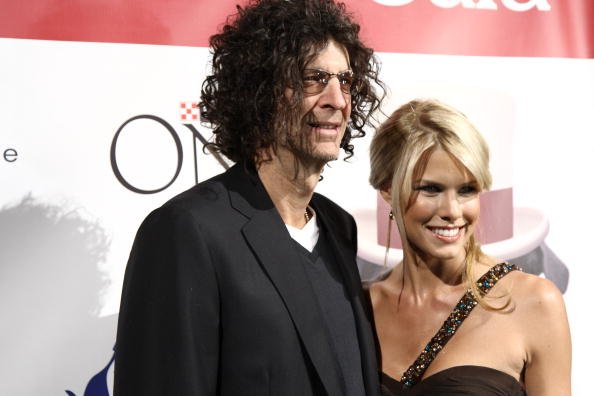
(314,80)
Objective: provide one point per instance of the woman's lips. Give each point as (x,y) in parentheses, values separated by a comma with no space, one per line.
(447,234)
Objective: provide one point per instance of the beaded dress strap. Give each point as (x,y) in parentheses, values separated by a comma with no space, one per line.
(461,311)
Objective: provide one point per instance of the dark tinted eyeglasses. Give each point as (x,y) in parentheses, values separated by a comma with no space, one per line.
(315,80)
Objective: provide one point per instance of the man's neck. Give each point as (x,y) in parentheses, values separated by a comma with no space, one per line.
(290,185)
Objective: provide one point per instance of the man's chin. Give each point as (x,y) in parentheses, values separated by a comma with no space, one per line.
(316,156)
(329,158)
(329,153)
(325,156)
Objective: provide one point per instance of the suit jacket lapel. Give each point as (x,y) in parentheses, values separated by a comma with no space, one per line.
(270,241)
(361,308)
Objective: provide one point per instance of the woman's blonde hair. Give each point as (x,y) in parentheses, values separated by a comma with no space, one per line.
(401,148)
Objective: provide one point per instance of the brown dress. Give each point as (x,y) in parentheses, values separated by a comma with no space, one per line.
(458,380)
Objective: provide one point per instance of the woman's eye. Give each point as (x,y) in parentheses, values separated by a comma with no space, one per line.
(468,190)
(429,188)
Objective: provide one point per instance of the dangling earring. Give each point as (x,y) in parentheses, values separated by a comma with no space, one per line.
(388,239)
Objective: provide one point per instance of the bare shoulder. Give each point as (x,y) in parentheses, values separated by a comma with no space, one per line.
(539,308)
(378,291)
(535,294)
(539,311)
(384,289)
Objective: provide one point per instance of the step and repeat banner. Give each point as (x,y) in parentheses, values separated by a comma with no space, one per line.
(99,125)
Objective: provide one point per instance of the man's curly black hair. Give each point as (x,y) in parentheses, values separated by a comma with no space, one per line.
(261,51)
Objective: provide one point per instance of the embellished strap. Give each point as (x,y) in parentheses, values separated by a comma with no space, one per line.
(466,304)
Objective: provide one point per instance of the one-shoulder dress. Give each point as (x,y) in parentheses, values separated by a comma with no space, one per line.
(459,380)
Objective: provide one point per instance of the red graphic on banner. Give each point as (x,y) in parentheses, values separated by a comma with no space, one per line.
(527,28)
(189,111)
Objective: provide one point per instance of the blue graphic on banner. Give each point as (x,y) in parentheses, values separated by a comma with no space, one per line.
(97,386)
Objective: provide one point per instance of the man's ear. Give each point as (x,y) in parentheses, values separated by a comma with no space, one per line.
(387,195)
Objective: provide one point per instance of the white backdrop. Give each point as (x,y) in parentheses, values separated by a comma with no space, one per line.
(67,224)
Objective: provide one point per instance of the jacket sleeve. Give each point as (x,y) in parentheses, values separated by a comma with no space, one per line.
(168,327)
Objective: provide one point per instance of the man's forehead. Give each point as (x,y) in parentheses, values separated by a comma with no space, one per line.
(330,51)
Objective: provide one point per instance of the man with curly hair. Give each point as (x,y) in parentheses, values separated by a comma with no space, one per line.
(247,283)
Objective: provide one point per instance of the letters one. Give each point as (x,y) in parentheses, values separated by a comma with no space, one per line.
(196,135)
(114,162)
(513,5)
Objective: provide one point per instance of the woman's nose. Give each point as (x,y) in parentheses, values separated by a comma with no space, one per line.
(450,207)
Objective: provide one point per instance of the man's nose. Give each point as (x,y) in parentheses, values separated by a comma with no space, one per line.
(332,95)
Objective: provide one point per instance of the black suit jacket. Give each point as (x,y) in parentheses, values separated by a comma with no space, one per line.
(216,300)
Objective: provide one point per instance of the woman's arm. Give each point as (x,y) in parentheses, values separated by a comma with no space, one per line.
(548,367)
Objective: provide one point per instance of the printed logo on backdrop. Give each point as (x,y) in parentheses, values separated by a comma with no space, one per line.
(142,126)
(512,5)
(97,386)
(169,138)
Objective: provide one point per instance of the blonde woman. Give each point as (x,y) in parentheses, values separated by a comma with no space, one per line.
(451,320)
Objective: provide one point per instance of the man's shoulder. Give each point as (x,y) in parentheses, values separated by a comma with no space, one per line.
(206,193)
(204,200)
